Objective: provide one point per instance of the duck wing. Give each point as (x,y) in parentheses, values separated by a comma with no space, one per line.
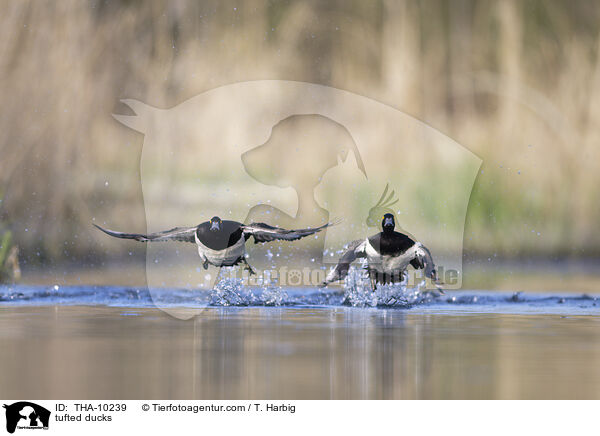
(424,260)
(355,250)
(182,234)
(265,233)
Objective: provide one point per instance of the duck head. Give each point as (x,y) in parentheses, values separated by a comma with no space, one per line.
(388,223)
(215,224)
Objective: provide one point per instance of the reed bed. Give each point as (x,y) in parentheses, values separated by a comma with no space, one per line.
(516,82)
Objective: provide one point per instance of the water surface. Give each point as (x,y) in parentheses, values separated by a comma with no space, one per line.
(110,342)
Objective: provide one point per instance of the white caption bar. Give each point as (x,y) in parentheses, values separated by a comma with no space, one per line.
(298,417)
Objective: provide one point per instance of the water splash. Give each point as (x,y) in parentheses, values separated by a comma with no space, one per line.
(274,296)
(358,292)
(232,292)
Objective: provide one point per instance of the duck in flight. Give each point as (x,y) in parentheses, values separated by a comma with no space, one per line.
(221,242)
(388,255)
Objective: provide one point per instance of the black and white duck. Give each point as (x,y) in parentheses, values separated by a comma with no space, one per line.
(221,242)
(388,253)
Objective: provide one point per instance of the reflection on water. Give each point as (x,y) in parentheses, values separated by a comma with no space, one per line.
(59,352)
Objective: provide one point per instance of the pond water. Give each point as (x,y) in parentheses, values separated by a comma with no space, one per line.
(112,342)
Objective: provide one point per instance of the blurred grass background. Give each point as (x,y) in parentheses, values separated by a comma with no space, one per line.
(516,82)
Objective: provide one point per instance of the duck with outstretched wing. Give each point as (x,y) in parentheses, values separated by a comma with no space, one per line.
(221,242)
